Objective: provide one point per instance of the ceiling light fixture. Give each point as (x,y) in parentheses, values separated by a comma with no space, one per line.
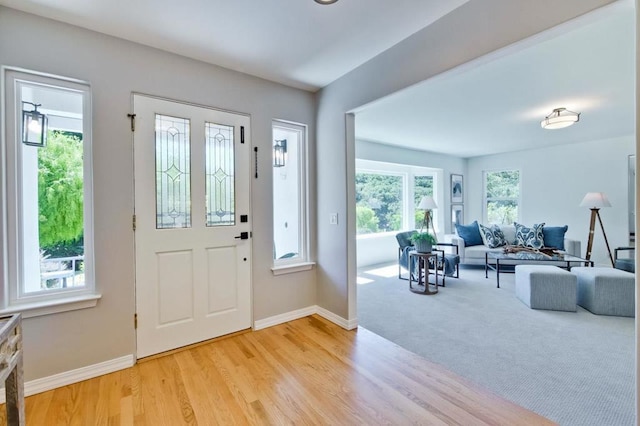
(326,1)
(560,118)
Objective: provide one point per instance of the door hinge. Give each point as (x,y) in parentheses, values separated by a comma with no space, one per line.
(241,134)
(132,117)
(134,222)
(135,321)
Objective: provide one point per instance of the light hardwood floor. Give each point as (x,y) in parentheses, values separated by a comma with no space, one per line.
(307,371)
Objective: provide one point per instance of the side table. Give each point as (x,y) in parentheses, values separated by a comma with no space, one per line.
(11,368)
(422,259)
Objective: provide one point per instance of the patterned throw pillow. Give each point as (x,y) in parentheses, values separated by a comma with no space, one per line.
(492,237)
(529,237)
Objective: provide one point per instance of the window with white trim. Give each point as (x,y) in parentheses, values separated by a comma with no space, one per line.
(47,193)
(380,205)
(290,203)
(387,196)
(501,196)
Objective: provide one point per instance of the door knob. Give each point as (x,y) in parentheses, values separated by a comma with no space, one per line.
(242,236)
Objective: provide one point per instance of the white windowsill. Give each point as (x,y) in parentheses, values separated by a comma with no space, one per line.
(294,267)
(377,235)
(48,307)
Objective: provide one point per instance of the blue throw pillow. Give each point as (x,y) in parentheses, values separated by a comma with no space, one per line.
(529,237)
(470,234)
(554,236)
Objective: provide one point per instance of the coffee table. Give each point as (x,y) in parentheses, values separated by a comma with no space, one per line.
(497,260)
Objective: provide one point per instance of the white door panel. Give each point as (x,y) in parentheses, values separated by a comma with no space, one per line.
(192,184)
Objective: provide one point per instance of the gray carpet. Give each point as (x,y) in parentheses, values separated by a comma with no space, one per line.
(574,368)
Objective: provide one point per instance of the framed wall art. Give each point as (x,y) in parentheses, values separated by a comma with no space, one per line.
(457,189)
(457,216)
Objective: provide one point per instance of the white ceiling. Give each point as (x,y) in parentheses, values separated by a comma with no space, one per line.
(295,42)
(496,104)
(493,105)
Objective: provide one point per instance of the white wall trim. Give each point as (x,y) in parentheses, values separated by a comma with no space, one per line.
(286,317)
(74,376)
(338,320)
(305,312)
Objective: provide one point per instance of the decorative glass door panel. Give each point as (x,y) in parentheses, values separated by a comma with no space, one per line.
(220,175)
(173,172)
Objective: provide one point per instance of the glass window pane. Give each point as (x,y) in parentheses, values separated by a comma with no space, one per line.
(503,184)
(378,203)
(220,175)
(173,172)
(287,193)
(423,186)
(52,222)
(503,212)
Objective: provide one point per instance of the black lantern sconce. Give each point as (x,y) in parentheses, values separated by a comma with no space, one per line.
(34,126)
(279,151)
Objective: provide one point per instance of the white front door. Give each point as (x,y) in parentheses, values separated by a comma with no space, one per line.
(192,221)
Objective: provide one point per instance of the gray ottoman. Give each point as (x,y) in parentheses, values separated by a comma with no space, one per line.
(606,291)
(546,287)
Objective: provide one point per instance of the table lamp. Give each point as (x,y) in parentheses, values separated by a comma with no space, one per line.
(427,204)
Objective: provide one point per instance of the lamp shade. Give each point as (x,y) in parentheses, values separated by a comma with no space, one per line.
(427,203)
(595,200)
(560,118)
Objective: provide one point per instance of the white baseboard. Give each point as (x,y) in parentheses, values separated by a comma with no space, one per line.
(68,377)
(305,312)
(338,320)
(282,318)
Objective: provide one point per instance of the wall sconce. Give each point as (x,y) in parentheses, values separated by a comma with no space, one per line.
(34,126)
(279,151)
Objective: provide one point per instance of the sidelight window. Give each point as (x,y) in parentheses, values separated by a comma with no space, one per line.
(290,223)
(47,194)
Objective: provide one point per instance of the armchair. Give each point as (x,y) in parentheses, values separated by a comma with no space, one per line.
(449,263)
(625,263)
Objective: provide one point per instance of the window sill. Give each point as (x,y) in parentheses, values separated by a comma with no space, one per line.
(377,235)
(48,307)
(294,267)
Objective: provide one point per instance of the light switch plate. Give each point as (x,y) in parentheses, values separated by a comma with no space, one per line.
(333,219)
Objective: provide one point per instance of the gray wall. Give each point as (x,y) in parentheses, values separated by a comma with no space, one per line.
(554,180)
(116,68)
(488,25)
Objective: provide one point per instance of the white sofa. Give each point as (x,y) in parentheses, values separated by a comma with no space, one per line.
(475,255)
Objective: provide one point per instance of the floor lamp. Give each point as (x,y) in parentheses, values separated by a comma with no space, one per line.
(595,201)
(428,204)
